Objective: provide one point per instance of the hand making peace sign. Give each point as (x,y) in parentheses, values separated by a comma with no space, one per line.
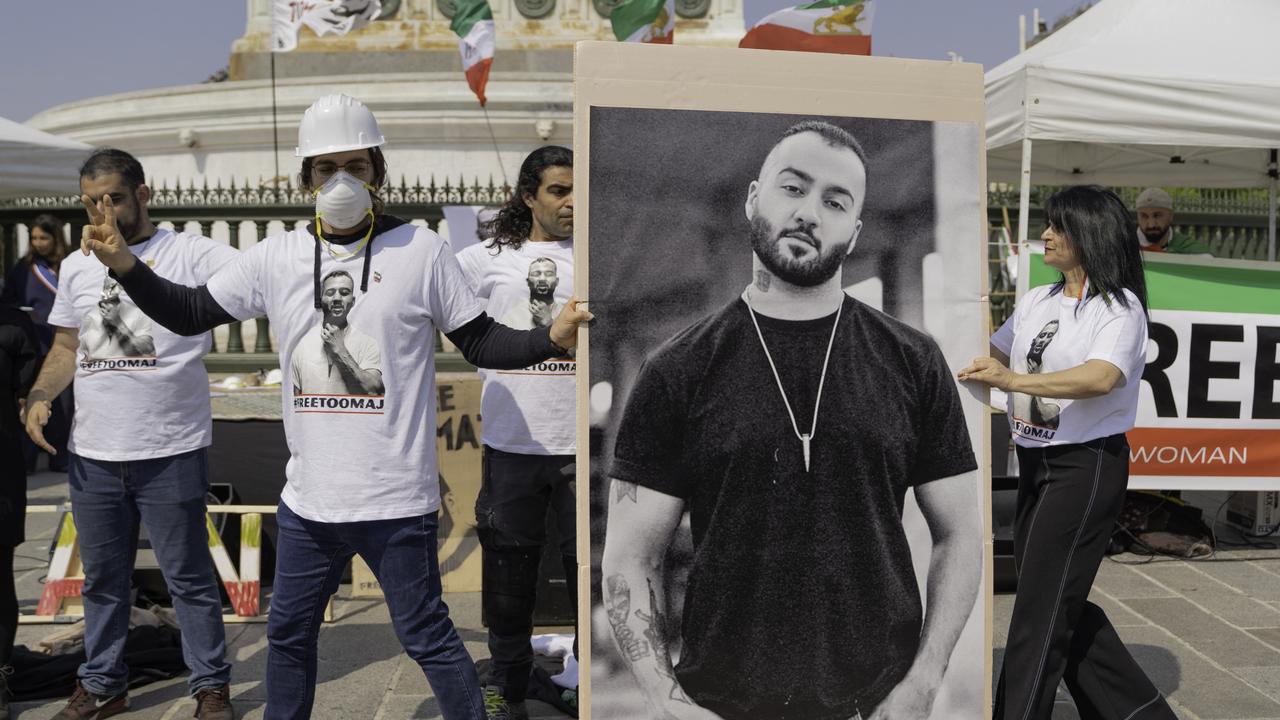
(102,236)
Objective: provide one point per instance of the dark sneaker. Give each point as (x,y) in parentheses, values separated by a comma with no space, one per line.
(84,705)
(497,707)
(570,698)
(214,704)
(5,672)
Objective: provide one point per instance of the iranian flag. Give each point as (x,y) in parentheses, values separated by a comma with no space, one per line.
(473,22)
(646,21)
(834,26)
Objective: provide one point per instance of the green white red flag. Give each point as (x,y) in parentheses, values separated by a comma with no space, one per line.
(834,26)
(646,21)
(473,22)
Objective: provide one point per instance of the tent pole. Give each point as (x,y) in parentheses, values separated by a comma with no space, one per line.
(1272,171)
(1024,195)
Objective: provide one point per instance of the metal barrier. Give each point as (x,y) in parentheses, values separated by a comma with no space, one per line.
(245,210)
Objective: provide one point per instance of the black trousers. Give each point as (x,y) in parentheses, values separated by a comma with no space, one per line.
(8,606)
(1068,500)
(511,515)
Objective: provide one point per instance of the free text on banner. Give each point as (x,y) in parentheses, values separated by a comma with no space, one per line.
(1208,412)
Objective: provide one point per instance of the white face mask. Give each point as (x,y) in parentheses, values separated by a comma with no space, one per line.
(343,201)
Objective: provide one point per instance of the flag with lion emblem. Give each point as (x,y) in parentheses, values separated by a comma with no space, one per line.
(834,26)
(646,21)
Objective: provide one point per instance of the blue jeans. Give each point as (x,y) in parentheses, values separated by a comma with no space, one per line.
(108,500)
(310,558)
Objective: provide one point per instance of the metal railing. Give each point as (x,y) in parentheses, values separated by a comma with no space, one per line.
(1232,222)
(246,210)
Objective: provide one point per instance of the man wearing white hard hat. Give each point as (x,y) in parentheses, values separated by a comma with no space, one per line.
(138,444)
(1155,226)
(376,492)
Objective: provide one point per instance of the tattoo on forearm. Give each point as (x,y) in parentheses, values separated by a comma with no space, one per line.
(656,632)
(617,602)
(626,490)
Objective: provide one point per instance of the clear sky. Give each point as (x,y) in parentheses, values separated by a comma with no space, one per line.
(55,52)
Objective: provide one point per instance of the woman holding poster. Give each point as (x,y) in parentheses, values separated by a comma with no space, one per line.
(1077,348)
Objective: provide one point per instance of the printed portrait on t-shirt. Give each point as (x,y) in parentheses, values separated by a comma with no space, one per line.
(334,357)
(115,329)
(542,307)
(1035,410)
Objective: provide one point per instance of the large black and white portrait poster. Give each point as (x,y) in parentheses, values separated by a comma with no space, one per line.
(787,486)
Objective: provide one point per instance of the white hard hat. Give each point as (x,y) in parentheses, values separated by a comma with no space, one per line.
(337,123)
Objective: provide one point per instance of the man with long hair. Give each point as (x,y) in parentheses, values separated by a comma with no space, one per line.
(524,274)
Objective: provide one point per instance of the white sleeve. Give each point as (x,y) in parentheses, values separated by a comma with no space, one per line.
(1121,339)
(469,261)
(1002,340)
(239,286)
(63,313)
(209,256)
(450,301)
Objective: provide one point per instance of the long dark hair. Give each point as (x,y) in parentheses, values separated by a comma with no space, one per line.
(52,226)
(1099,226)
(513,223)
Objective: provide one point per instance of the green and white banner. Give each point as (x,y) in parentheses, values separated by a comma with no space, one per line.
(1209,410)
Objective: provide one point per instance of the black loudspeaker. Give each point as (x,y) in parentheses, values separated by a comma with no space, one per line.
(250,455)
(1004,498)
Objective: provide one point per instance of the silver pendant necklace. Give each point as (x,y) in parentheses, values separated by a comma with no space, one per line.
(805,438)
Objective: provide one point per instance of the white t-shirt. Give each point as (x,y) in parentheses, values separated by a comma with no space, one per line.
(361,453)
(1048,334)
(529,411)
(141,391)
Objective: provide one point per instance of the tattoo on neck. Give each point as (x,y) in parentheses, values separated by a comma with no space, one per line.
(763,278)
(617,603)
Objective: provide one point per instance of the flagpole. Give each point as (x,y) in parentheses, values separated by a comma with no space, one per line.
(275,130)
(494,137)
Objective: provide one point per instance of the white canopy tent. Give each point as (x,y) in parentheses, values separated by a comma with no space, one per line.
(1175,93)
(37,163)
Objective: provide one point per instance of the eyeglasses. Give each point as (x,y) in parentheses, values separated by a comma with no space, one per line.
(324,170)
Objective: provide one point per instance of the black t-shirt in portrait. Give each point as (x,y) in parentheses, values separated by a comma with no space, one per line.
(802,600)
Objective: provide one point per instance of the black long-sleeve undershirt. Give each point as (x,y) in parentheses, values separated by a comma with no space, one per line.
(184,310)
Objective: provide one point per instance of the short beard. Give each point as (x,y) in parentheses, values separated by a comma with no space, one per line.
(802,273)
(1156,238)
